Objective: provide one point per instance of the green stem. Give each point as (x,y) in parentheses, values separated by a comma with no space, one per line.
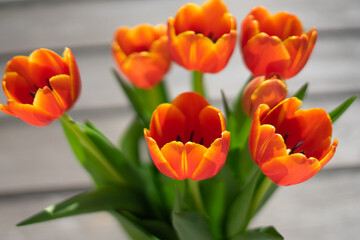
(151,98)
(262,194)
(198,82)
(196,195)
(88,144)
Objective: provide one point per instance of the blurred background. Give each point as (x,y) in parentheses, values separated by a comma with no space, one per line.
(37,167)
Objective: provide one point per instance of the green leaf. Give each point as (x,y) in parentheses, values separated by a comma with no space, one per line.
(300,94)
(226,105)
(105,163)
(153,97)
(131,175)
(337,112)
(264,191)
(104,198)
(89,155)
(238,215)
(131,139)
(265,233)
(214,193)
(191,225)
(158,228)
(133,98)
(132,229)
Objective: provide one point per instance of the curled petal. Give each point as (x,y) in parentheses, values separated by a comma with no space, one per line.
(300,49)
(266,54)
(28,113)
(41,87)
(275,43)
(160,162)
(187,138)
(214,158)
(142,54)
(202,38)
(167,123)
(263,91)
(289,145)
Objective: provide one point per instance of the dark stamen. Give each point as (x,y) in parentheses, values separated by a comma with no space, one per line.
(302,152)
(178,138)
(32,94)
(296,146)
(48,83)
(285,137)
(191,136)
(201,141)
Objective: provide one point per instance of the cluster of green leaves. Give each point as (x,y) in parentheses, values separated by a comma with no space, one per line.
(150,205)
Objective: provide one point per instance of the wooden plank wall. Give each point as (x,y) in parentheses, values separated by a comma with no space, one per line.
(37,167)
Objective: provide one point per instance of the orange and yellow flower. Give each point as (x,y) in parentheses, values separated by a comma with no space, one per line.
(41,87)
(187,138)
(263,90)
(202,38)
(291,145)
(275,43)
(142,54)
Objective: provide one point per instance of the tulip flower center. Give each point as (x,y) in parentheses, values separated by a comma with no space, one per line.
(33,93)
(295,148)
(210,35)
(201,141)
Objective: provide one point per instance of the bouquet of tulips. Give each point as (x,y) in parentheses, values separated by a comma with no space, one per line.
(208,173)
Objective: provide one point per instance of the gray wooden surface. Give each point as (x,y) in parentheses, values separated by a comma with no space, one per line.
(37,160)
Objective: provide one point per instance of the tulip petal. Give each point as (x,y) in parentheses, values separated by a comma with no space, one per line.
(183,159)
(211,126)
(44,64)
(46,100)
(167,123)
(197,103)
(150,68)
(254,135)
(282,25)
(249,28)
(156,155)
(270,92)
(300,49)
(265,54)
(28,113)
(18,88)
(315,128)
(214,158)
(61,85)
(74,75)
(216,12)
(189,17)
(137,39)
(290,170)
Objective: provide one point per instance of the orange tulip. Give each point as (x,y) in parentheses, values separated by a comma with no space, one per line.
(187,138)
(142,54)
(202,38)
(263,90)
(275,43)
(291,145)
(41,87)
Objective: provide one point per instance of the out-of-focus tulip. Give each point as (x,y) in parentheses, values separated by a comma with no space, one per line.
(291,145)
(41,87)
(142,54)
(202,38)
(187,138)
(263,90)
(275,43)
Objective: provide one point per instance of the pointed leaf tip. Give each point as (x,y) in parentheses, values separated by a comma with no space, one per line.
(337,112)
(300,94)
